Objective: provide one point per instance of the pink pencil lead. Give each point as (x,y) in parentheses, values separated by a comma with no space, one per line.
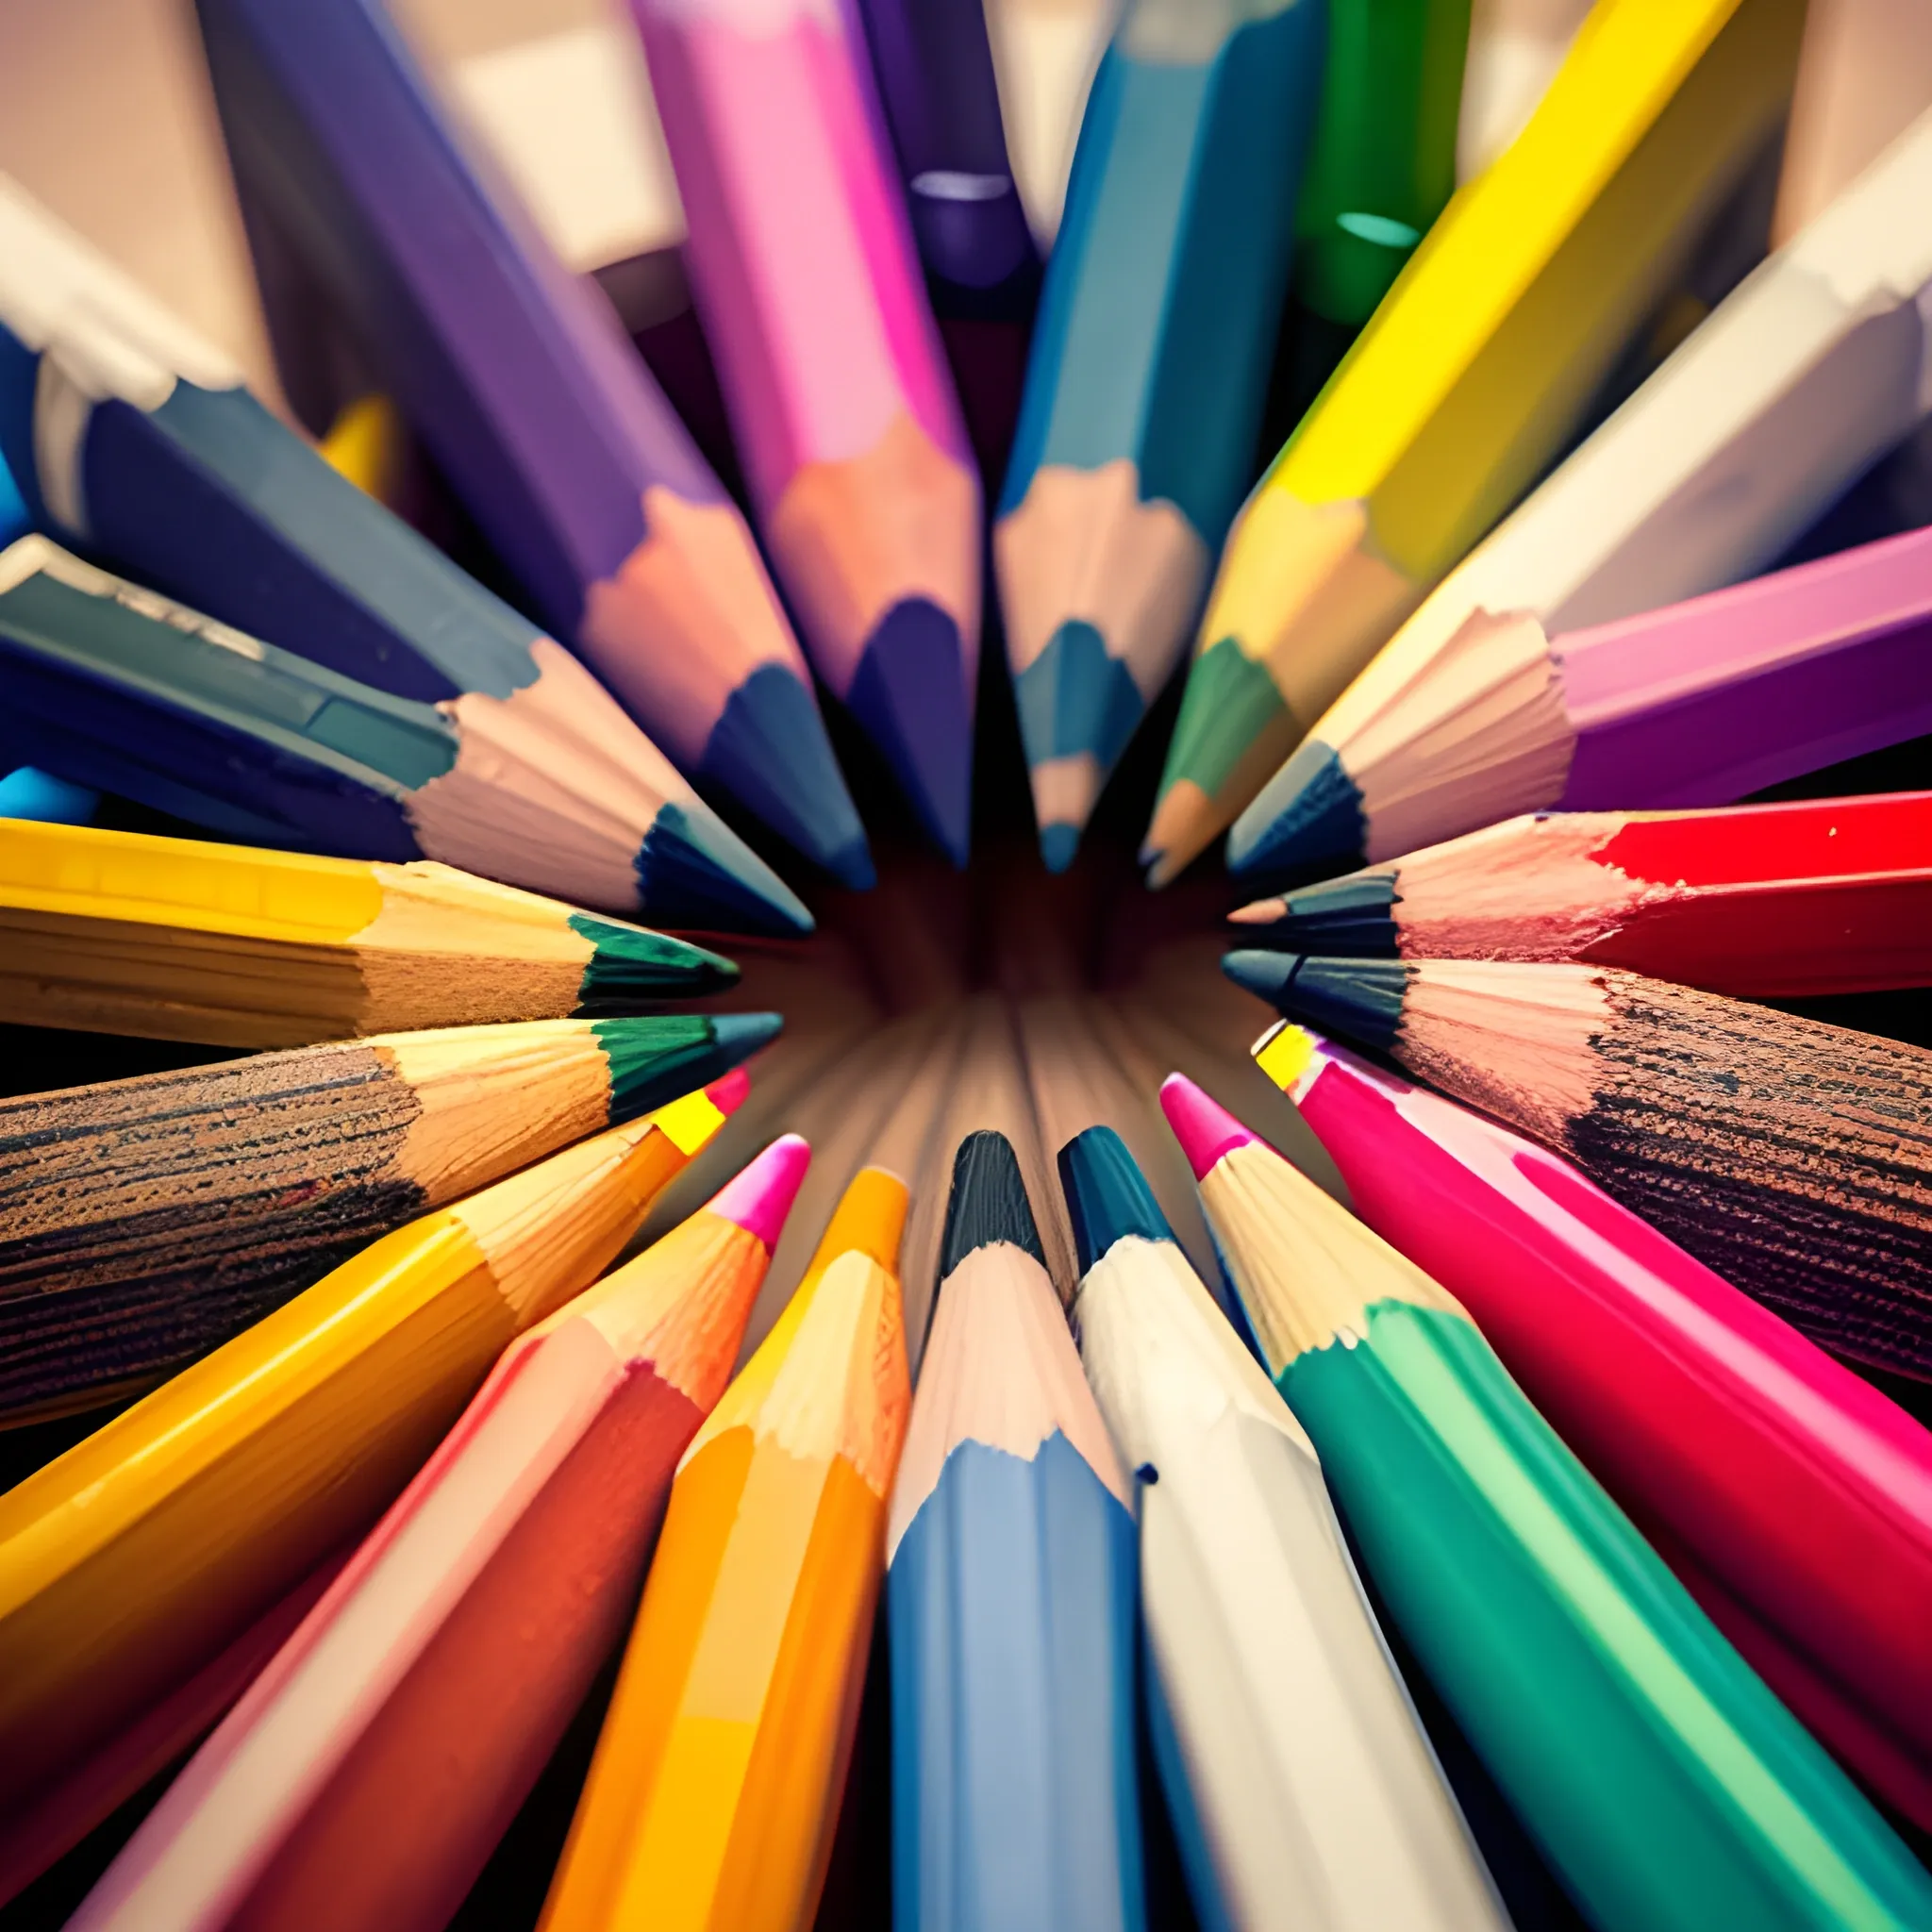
(727,1095)
(1205,1128)
(760,1195)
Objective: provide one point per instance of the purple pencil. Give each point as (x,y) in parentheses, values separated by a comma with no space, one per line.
(1699,703)
(942,99)
(519,380)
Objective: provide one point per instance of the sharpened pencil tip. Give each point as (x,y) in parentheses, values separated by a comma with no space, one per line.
(769,748)
(851,866)
(740,1035)
(910,694)
(1108,1196)
(987,1201)
(759,1196)
(728,1094)
(651,1061)
(631,962)
(1307,817)
(1204,1128)
(1057,845)
(694,871)
(1359,999)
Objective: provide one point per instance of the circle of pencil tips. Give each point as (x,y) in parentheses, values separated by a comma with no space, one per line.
(231,945)
(363,1781)
(1793,1498)
(147,1574)
(144,1222)
(1662,1779)
(1792,1157)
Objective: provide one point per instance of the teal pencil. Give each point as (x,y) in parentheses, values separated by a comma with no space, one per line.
(1149,370)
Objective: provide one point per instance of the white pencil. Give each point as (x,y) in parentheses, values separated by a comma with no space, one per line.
(1303,1789)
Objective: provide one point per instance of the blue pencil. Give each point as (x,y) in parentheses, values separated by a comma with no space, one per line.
(1011,1600)
(1149,370)
(114,687)
(519,380)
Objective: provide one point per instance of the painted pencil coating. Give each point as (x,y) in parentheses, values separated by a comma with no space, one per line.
(1667,1786)
(144,1222)
(1585,656)
(1795,1486)
(1147,373)
(941,103)
(1793,1157)
(361,1781)
(128,1562)
(179,939)
(1469,378)
(715,1789)
(1301,1787)
(1765,901)
(517,378)
(806,276)
(1010,1597)
(1384,157)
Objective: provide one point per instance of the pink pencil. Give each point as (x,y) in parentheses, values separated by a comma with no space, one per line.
(1791,1498)
(367,1775)
(808,287)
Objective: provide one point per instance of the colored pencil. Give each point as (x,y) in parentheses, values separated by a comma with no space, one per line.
(144,1222)
(1474,373)
(806,278)
(138,442)
(1657,1773)
(119,688)
(1148,373)
(54,1818)
(716,1783)
(1791,1498)
(1700,703)
(363,1781)
(28,793)
(1865,73)
(941,103)
(1515,49)
(1301,1784)
(1010,1595)
(522,385)
(1383,164)
(1802,378)
(130,1561)
(174,939)
(1792,1157)
(1761,901)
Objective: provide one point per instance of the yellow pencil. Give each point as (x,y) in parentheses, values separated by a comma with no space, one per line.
(712,1799)
(183,939)
(1470,377)
(129,1563)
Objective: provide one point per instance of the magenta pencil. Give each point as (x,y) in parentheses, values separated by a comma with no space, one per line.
(811,293)
(1697,703)
(367,1775)
(1793,1499)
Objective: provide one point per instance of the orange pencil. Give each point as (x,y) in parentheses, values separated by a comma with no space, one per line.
(713,1796)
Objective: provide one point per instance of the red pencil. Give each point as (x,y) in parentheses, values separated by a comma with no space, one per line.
(1763,901)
